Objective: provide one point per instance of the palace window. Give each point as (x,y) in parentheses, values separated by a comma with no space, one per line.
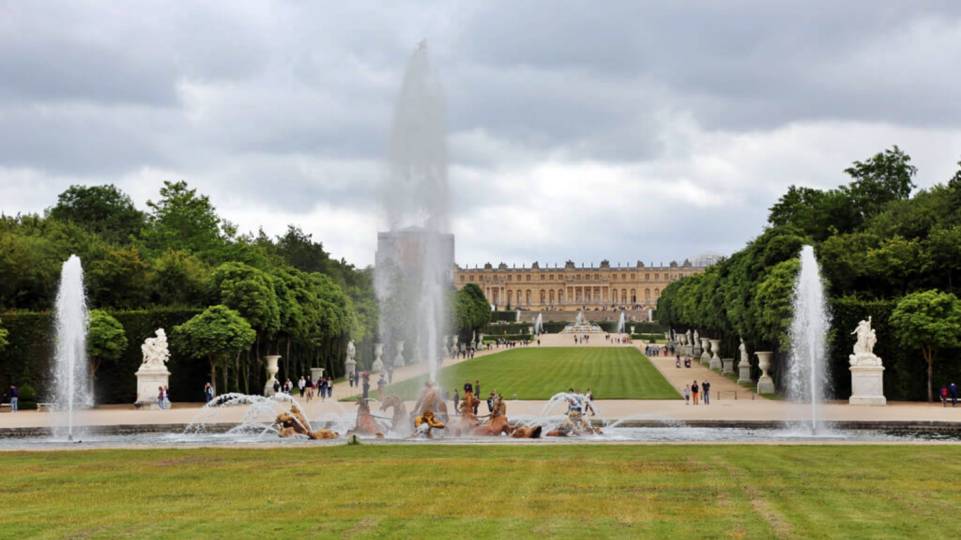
(647,294)
(509,277)
(463,278)
(528,277)
(633,296)
(542,297)
(657,277)
(632,276)
(647,277)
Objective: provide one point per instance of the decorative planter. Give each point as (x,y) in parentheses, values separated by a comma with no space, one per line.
(727,366)
(765,384)
(272,370)
(715,359)
(705,352)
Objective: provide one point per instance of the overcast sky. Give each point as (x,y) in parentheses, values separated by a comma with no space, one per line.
(577,130)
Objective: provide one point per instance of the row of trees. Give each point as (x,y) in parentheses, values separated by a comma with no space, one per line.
(880,249)
(282,295)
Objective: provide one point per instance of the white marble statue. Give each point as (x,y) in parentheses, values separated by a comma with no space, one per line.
(867,339)
(350,363)
(867,370)
(697,338)
(744,365)
(155,351)
(378,364)
(687,337)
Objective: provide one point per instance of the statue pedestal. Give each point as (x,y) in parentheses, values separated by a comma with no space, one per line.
(867,380)
(316,373)
(149,381)
(727,366)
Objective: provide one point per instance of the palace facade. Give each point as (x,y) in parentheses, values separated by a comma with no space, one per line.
(572,287)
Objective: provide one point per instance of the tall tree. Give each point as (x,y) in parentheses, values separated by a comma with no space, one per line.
(885,177)
(216,334)
(104,210)
(182,219)
(929,321)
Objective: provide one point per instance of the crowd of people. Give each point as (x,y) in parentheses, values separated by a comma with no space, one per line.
(949,392)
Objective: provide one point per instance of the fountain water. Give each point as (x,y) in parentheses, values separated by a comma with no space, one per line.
(539,324)
(620,324)
(71,388)
(414,260)
(807,376)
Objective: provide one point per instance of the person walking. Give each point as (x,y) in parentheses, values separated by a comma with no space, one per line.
(14,398)
(365,379)
(706,387)
(944,395)
(208,393)
(953,390)
(330,388)
(588,399)
(686,390)
(694,392)
(301,385)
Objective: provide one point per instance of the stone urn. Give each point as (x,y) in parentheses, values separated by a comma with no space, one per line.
(378,364)
(272,370)
(715,358)
(316,373)
(765,384)
(705,351)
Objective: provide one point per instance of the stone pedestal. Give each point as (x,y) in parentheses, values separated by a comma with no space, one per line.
(272,370)
(744,371)
(149,381)
(867,380)
(765,384)
(705,352)
(727,366)
(316,373)
(715,358)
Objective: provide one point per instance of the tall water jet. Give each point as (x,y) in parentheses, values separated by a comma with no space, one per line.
(621,322)
(808,378)
(415,258)
(71,383)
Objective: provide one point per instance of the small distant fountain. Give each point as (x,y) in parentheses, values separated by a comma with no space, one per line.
(71,379)
(621,323)
(581,326)
(539,324)
(807,377)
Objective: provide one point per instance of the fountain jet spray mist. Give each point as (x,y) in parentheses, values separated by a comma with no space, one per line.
(70,370)
(414,263)
(808,378)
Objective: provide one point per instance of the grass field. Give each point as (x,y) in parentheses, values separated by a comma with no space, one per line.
(541,372)
(575,491)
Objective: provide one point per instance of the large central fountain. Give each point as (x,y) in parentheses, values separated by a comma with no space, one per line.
(415,258)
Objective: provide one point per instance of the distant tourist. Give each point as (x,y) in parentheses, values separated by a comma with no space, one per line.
(14,398)
(330,387)
(365,378)
(381,383)
(706,387)
(301,385)
(276,386)
(677,361)
(953,390)
(162,400)
(944,395)
(476,393)
(695,389)
(686,390)
(208,393)
(490,402)
(588,398)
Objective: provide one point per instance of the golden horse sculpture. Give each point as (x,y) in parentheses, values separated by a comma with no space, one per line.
(366,425)
(399,422)
(293,422)
(430,411)
(575,424)
(497,424)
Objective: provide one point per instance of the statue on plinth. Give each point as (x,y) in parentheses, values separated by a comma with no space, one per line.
(744,364)
(867,371)
(153,371)
(399,357)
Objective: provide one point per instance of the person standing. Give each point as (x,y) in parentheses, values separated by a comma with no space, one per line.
(161,397)
(456,399)
(706,387)
(686,390)
(944,395)
(381,384)
(588,399)
(365,378)
(208,393)
(695,389)
(330,387)
(301,385)
(14,398)
(953,390)
(476,393)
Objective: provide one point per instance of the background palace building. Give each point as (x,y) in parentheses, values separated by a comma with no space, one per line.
(572,288)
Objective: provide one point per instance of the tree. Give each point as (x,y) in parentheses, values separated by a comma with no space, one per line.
(883,178)
(215,334)
(106,340)
(928,320)
(178,278)
(104,210)
(182,219)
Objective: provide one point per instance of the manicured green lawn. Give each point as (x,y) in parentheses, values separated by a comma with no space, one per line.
(541,372)
(482,491)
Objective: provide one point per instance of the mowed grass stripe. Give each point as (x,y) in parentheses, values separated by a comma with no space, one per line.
(540,372)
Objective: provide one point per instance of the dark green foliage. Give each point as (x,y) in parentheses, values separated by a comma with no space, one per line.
(104,210)
(929,321)
(875,245)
